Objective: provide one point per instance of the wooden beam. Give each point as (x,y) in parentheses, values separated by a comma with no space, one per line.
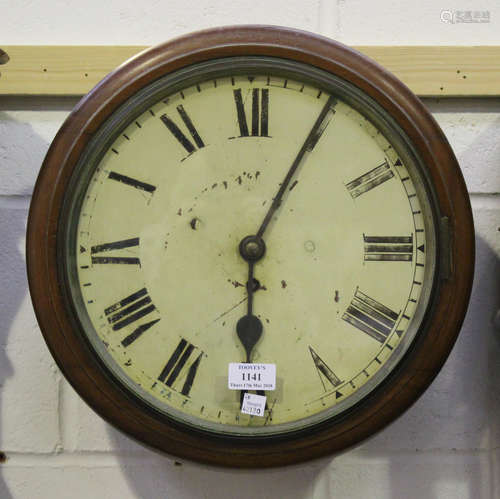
(442,71)
(59,70)
(428,70)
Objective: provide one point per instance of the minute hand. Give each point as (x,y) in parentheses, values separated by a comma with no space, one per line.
(308,145)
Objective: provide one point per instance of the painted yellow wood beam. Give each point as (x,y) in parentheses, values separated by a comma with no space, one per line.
(427,70)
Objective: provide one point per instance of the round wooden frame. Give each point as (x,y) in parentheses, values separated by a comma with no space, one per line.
(76,359)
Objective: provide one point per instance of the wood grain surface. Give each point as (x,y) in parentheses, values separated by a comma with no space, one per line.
(444,71)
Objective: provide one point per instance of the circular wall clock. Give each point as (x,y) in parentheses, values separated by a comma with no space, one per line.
(260,197)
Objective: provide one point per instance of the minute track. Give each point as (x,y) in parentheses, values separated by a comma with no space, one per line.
(143,334)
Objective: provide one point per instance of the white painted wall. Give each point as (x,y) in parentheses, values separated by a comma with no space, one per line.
(446,446)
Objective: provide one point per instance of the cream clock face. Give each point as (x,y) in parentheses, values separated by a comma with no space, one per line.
(182,175)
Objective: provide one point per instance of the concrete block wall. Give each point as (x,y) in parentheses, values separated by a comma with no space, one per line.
(446,446)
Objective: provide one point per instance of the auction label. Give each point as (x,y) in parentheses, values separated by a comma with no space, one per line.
(255,405)
(248,376)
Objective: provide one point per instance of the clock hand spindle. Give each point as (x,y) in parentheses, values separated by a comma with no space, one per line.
(309,143)
(249,327)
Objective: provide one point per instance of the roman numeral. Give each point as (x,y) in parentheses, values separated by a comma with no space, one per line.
(324,371)
(132,182)
(260,113)
(179,135)
(128,340)
(178,361)
(369,180)
(117,245)
(388,248)
(370,316)
(129,310)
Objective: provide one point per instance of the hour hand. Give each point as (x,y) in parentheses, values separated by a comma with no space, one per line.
(249,327)
(249,330)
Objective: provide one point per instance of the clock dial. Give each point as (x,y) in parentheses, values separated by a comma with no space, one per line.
(247,198)
(176,181)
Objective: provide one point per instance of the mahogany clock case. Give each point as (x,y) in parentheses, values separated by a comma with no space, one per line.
(454,232)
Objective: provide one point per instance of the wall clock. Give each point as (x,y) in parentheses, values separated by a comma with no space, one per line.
(255,196)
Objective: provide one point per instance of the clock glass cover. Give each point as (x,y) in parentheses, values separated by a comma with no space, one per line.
(159,273)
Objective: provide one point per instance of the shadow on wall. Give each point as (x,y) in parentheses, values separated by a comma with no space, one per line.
(12,293)
(454,426)
(13,214)
(13,290)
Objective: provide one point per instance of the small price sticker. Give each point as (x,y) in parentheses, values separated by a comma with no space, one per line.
(248,376)
(255,405)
